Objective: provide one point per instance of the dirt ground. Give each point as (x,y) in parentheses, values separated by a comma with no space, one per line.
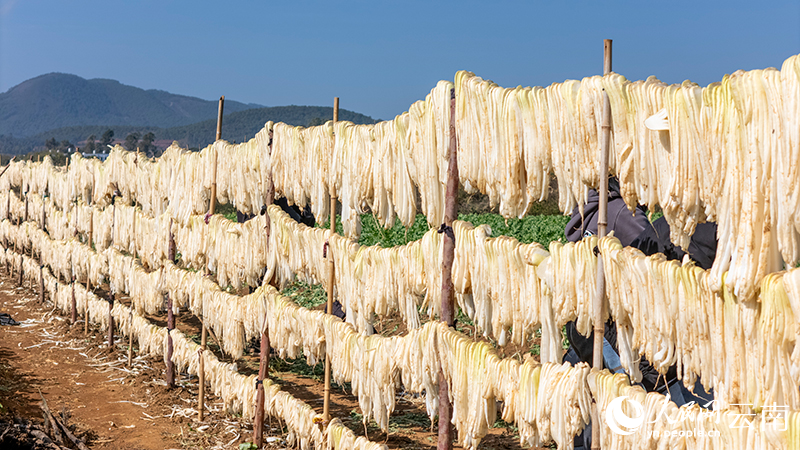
(112,406)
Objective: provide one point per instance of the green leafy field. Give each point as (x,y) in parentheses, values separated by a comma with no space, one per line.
(536,228)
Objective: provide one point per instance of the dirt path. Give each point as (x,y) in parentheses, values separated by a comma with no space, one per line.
(111,406)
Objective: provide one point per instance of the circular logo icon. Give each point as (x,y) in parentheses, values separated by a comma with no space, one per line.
(621,423)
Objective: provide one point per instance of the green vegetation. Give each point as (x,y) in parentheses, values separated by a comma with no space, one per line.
(228,211)
(298,366)
(542,229)
(306,295)
(536,228)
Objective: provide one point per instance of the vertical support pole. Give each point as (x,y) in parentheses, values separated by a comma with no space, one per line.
(170,327)
(43,215)
(113,222)
(41,284)
(130,336)
(258,428)
(133,233)
(326,415)
(602,223)
(110,320)
(219,117)
(21,262)
(201,394)
(170,316)
(91,230)
(213,206)
(74,315)
(445,441)
(263,367)
(86,309)
(171,250)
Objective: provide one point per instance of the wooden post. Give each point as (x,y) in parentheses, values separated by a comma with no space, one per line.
(130,335)
(602,223)
(201,394)
(212,208)
(258,428)
(110,320)
(170,316)
(326,415)
(133,232)
(170,327)
(445,441)
(91,231)
(86,309)
(20,267)
(171,250)
(41,284)
(219,117)
(74,312)
(43,216)
(263,367)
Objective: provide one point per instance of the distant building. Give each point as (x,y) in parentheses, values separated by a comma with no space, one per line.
(100,156)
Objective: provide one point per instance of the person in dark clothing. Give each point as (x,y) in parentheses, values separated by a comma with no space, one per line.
(633,229)
(702,247)
(626,224)
(305,216)
(299,215)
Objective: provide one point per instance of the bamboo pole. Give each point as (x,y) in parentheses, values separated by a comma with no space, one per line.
(219,117)
(88,282)
(130,336)
(74,308)
(602,223)
(41,284)
(133,234)
(170,327)
(170,316)
(263,367)
(111,294)
(213,206)
(326,415)
(43,216)
(86,311)
(445,441)
(110,320)
(201,394)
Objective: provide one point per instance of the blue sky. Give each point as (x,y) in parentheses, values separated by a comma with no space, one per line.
(379,57)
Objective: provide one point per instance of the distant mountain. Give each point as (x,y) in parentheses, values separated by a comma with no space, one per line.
(236,126)
(58,100)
